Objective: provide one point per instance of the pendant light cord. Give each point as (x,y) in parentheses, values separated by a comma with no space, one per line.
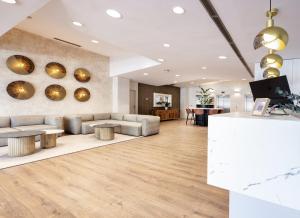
(270,5)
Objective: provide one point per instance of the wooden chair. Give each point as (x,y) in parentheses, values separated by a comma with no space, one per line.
(213,111)
(188,112)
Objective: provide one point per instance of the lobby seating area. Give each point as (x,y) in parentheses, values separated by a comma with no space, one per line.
(149,109)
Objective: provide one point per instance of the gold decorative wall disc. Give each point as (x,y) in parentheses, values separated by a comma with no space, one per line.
(20,90)
(56,70)
(82,94)
(55,92)
(82,75)
(20,64)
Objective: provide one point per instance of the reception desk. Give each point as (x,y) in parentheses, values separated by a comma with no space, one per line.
(258,158)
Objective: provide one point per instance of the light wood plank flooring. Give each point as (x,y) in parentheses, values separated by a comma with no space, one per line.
(160,176)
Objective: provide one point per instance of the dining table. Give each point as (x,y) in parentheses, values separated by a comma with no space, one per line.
(202,119)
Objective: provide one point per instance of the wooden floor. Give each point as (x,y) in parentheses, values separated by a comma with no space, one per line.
(158,176)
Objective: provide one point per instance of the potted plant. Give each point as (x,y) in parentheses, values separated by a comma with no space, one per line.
(205,97)
(167,105)
(294,106)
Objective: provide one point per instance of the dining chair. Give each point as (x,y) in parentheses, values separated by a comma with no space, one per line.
(213,111)
(188,112)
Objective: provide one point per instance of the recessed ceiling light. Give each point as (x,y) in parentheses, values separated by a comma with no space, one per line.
(10,1)
(203,68)
(175,81)
(166,45)
(177,75)
(203,78)
(178,10)
(160,60)
(222,57)
(146,74)
(244,79)
(113,13)
(94,41)
(76,23)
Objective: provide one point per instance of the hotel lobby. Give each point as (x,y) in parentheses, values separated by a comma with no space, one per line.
(149,109)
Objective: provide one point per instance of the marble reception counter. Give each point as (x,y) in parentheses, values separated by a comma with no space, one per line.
(256,156)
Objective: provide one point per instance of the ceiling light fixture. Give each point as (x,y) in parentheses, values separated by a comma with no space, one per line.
(113,13)
(178,10)
(244,79)
(175,81)
(9,1)
(146,74)
(203,78)
(203,68)
(76,23)
(177,75)
(95,41)
(160,59)
(222,57)
(166,45)
(275,39)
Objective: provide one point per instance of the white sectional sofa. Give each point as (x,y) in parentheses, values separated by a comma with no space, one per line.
(130,124)
(30,122)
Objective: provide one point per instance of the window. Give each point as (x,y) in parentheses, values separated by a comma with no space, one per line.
(249,103)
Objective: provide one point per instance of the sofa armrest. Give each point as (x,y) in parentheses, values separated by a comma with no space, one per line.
(55,121)
(150,125)
(73,124)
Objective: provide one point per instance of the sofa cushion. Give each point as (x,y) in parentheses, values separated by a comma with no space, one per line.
(86,117)
(4,122)
(35,127)
(117,116)
(102,116)
(26,120)
(3,141)
(87,127)
(130,117)
(131,128)
(139,118)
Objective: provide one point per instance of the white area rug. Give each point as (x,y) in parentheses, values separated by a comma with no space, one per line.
(65,145)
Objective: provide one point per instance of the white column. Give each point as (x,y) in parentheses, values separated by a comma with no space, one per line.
(120,95)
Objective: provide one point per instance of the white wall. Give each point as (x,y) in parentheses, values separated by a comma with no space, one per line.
(42,51)
(290,68)
(237,99)
(121,87)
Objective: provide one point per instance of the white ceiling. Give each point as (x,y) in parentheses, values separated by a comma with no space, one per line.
(147,24)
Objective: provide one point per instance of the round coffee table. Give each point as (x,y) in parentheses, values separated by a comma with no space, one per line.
(105,131)
(48,139)
(21,143)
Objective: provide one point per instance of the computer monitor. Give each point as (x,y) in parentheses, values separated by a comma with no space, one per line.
(268,88)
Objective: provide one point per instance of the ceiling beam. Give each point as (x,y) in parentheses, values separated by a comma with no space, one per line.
(219,23)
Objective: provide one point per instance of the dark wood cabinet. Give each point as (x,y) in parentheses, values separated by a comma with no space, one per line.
(170,114)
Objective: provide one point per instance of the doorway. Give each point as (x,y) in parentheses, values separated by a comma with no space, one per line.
(132,107)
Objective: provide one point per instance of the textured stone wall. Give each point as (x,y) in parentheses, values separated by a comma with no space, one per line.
(42,51)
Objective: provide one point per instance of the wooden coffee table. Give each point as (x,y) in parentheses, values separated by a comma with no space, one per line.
(21,143)
(105,131)
(48,139)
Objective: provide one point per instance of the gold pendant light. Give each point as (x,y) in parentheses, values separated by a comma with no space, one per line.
(275,39)
(272,37)
(271,72)
(271,60)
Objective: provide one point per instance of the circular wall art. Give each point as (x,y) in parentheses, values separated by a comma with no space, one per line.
(82,94)
(56,70)
(82,75)
(55,92)
(20,90)
(20,64)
